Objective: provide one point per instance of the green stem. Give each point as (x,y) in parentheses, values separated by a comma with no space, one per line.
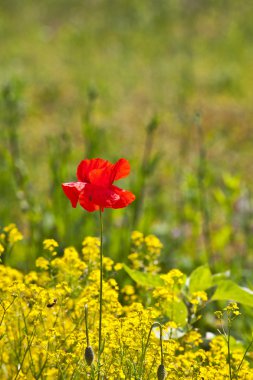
(155,324)
(6,308)
(26,351)
(146,160)
(229,354)
(161,343)
(203,196)
(100,291)
(86,325)
(245,353)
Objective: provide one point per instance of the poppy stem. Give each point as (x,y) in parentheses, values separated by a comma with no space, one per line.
(100,291)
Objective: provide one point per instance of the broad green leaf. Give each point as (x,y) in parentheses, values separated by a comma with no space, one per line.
(218,277)
(200,279)
(177,312)
(229,290)
(144,279)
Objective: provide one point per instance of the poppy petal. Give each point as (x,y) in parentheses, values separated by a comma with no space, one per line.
(107,175)
(86,203)
(86,166)
(72,190)
(125,197)
(100,196)
(121,169)
(100,177)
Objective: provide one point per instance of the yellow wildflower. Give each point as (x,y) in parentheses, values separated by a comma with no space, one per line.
(153,244)
(1,249)
(108,263)
(198,298)
(91,249)
(118,266)
(137,238)
(50,245)
(13,234)
(42,263)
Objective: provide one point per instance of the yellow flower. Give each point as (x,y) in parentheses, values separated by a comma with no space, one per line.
(118,266)
(2,331)
(1,249)
(218,314)
(13,234)
(107,263)
(91,249)
(232,306)
(50,245)
(128,290)
(42,263)
(153,244)
(137,238)
(42,314)
(32,276)
(174,276)
(198,298)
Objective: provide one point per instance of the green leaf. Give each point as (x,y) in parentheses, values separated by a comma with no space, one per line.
(144,279)
(229,290)
(177,312)
(200,279)
(218,277)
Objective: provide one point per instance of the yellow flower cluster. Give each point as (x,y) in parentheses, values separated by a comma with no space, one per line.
(43,334)
(231,311)
(145,252)
(90,250)
(1,249)
(197,300)
(9,235)
(50,245)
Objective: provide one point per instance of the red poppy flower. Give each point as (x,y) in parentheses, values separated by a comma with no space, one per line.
(94,188)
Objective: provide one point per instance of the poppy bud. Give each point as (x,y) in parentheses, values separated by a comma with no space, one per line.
(89,355)
(161,372)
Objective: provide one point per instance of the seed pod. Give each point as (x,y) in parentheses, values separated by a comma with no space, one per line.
(161,372)
(89,355)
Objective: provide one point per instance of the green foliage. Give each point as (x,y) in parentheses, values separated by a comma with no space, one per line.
(143,278)
(178,312)
(163,84)
(200,279)
(229,290)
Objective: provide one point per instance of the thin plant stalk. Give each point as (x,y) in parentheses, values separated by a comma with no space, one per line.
(226,336)
(161,343)
(145,167)
(245,353)
(32,366)
(86,325)
(6,308)
(203,199)
(155,324)
(100,291)
(229,353)
(26,351)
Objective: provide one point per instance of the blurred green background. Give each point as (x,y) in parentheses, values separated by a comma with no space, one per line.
(165,84)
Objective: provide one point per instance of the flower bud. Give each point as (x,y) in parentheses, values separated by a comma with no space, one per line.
(161,372)
(89,355)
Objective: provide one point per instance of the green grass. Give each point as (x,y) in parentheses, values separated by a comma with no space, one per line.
(170,59)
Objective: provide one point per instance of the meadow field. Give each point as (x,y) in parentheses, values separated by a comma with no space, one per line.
(155,287)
